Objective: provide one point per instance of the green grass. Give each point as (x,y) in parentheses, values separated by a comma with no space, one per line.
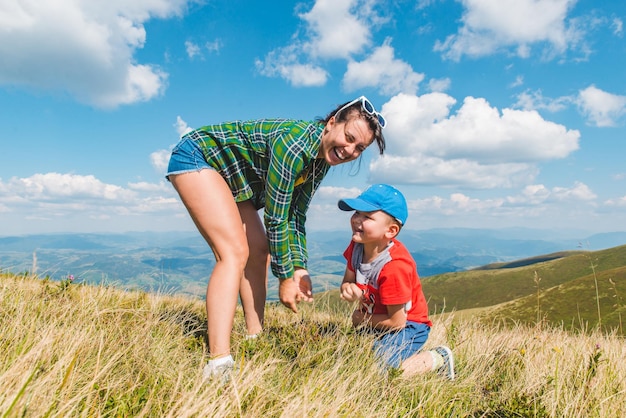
(566,290)
(97,351)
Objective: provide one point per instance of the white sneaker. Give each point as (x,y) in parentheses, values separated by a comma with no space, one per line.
(219,368)
(447,369)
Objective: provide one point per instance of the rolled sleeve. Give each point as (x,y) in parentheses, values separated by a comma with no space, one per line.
(286,163)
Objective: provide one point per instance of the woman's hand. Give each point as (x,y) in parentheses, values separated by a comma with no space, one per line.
(303,280)
(293,291)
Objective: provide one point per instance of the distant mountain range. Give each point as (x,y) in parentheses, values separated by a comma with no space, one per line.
(181,262)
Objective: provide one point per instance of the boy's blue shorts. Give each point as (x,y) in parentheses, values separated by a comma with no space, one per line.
(392,348)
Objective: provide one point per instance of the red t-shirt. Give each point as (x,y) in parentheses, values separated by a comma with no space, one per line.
(396,283)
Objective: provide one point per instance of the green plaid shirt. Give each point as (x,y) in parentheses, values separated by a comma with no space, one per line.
(272,163)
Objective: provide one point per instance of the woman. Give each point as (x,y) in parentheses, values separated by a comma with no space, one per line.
(225,173)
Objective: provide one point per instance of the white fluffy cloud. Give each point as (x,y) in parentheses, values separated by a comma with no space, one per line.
(619,202)
(439,84)
(196,51)
(335,30)
(161,158)
(600,107)
(541,206)
(551,208)
(332,31)
(56,186)
(339,30)
(193,49)
(493,25)
(64,45)
(285,63)
(48,200)
(557,205)
(382,70)
(68,189)
(478,146)
(424,170)
(535,100)
(536,194)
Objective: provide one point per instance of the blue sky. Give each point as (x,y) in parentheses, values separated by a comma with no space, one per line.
(501,113)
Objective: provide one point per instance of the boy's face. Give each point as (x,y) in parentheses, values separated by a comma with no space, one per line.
(373,227)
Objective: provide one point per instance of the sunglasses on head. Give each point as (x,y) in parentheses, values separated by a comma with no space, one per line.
(368,107)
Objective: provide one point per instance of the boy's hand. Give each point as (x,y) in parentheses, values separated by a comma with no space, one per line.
(351,292)
(359,317)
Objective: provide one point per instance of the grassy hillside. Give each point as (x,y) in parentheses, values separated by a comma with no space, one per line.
(566,288)
(73,350)
(575,304)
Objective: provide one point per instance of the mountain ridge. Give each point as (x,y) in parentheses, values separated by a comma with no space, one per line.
(181,262)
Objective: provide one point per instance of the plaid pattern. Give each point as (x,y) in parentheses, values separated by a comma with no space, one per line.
(272,163)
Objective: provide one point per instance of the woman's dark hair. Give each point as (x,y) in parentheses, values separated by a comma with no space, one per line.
(349,113)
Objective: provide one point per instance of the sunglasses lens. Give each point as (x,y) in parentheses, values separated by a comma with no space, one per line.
(381,120)
(369,107)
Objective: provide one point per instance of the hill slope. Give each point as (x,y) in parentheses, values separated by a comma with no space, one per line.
(566,287)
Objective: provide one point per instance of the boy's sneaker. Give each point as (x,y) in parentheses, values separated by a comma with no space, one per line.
(220,368)
(447,369)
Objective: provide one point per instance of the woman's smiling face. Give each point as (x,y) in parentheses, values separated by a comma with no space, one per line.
(346,141)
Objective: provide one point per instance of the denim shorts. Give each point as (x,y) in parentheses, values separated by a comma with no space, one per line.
(186,157)
(392,348)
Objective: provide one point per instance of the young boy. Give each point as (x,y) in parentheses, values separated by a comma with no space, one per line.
(382,276)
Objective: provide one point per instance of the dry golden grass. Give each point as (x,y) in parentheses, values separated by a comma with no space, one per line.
(89,351)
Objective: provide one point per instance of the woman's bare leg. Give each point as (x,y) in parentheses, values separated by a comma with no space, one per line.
(253,288)
(214,211)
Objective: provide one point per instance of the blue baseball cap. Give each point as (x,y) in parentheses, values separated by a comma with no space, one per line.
(379,197)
